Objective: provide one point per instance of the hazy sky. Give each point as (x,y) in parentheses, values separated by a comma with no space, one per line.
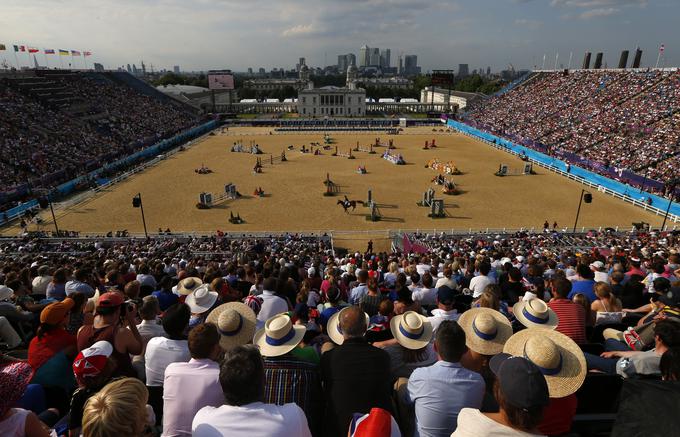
(237,34)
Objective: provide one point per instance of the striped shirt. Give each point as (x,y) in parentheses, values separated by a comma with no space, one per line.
(572,319)
(290,379)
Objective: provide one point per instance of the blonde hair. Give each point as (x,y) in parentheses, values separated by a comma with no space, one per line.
(602,290)
(393,267)
(119,409)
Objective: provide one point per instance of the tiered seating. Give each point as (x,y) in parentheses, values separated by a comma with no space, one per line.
(625,119)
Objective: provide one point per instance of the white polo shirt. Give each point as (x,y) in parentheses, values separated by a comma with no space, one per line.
(251,420)
(160,353)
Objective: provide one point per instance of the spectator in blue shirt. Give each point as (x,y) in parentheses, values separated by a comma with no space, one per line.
(440,391)
(584,284)
(166,298)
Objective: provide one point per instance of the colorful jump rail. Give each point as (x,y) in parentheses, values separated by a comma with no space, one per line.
(630,194)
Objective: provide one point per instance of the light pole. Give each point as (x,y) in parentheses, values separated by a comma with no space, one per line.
(137,203)
(44,202)
(585,195)
(671,191)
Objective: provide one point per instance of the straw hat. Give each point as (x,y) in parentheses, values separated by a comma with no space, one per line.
(557,356)
(333,328)
(279,336)
(187,285)
(202,299)
(486,330)
(411,330)
(535,313)
(235,322)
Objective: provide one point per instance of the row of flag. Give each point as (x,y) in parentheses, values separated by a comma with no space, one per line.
(61,52)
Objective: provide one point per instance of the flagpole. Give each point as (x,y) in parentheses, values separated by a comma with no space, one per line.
(543,65)
(658,56)
(47,65)
(61,60)
(557,55)
(571,54)
(16,59)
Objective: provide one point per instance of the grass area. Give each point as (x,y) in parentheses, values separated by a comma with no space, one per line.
(247,116)
(290,115)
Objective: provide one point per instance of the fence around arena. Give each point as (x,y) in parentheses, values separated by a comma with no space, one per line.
(658,204)
(70,186)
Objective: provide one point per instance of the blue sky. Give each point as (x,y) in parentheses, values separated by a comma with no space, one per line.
(236,34)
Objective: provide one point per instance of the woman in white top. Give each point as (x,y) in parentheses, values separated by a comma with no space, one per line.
(17,422)
(607,307)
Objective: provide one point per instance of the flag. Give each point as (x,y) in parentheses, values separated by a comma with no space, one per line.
(87,53)
(2,47)
(75,53)
(662,48)
(63,52)
(49,51)
(16,48)
(33,50)
(19,48)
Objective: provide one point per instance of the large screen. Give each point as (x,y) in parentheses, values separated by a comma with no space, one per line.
(442,77)
(220,81)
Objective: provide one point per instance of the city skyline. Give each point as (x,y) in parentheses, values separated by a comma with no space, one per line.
(235,34)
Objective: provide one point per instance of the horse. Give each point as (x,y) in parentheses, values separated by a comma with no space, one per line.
(347,204)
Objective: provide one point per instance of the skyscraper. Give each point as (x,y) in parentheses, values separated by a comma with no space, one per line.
(364,56)
(385,58)
(463,70)
(345,61)
(411,64)
(175,69)
(374,60)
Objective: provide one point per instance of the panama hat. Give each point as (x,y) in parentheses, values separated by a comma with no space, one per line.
(411,330)
(279,336)
(202,299)
(535,313)
(188,285)
(333,328)
(557,356)
(486,330)
(235,322)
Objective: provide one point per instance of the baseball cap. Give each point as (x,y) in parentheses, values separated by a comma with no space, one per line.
(597,264)
(55,312)
(521,382)
(91,361)
(446,295)
(110,299)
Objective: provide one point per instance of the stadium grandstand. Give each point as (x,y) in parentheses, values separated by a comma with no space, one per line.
(623,124)
(58,125)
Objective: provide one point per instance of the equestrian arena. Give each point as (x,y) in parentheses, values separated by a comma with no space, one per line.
(294,199)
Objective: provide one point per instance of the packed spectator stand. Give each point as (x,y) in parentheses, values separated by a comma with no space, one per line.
(56,125)
(480,334)
(609,121)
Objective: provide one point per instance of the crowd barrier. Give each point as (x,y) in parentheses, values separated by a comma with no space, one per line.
(643,199)
(70,186)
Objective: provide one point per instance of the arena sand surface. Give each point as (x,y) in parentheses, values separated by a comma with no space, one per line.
(294,200)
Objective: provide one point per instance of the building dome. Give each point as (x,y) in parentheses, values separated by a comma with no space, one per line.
(352,74)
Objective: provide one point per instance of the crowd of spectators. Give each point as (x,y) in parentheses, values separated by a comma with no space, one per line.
(505,335)
(621,120)
(44,144)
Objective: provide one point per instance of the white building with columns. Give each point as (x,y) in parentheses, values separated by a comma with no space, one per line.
(332,101)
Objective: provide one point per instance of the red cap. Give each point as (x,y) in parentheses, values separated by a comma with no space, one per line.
(110,299)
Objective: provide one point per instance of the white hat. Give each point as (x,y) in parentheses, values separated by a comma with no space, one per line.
(202,299)
(187,285)
(279,336)
(597,265)
(535,313)
(486,330)
(235,322)
(519,258)
(505,260)
(311,271)
(411,330)
(5,292)
(333,327)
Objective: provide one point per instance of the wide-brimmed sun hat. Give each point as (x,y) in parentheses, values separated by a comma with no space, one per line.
(5,292)
(486,330)
(187,285)
(333,328)
(557,356)
(279,336)
(411,330)
(14,379)
(202,299)
(235,322)
(535,313)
